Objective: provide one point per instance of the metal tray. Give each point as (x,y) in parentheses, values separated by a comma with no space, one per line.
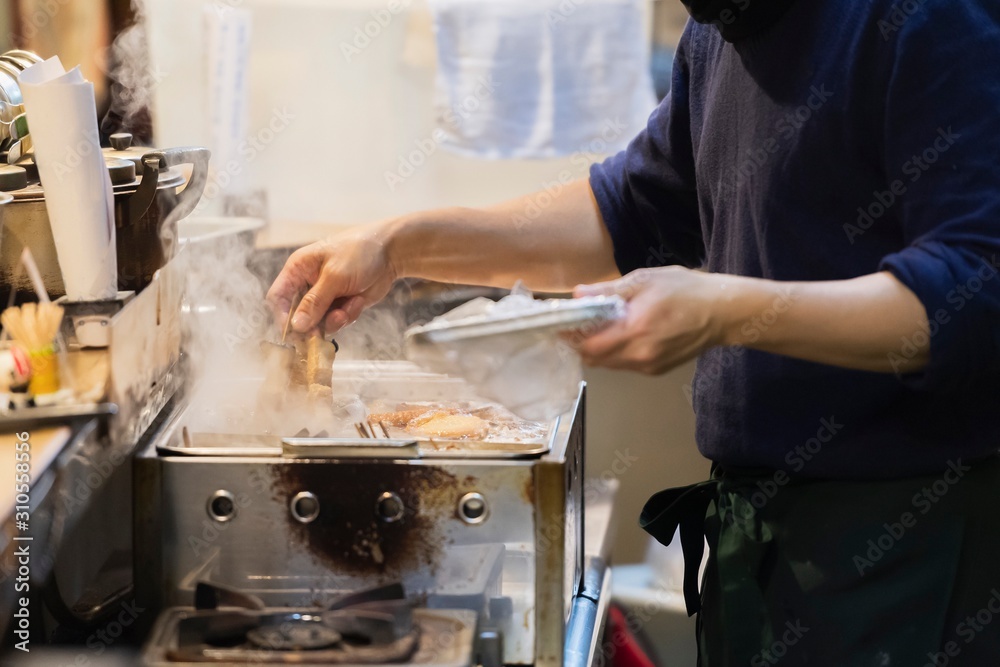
(390,381)
(560,315)
(226,444)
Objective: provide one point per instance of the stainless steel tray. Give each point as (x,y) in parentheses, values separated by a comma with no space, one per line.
(389,381)
(551,315)
(226,444)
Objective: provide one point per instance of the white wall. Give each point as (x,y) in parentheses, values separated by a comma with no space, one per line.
(352,121)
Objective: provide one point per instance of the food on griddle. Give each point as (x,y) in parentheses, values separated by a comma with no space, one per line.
(459,420)
(397,418)
(299,361)
(319,357)
(319,392)
(451,426)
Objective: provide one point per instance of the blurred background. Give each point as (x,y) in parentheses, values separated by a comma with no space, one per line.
(324,113)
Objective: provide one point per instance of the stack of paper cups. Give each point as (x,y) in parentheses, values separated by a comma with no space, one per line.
(62,114)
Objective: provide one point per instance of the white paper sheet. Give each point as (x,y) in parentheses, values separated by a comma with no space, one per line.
(63,116)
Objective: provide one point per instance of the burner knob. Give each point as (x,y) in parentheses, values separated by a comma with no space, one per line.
(390,507)
(472,508)
(221,506)
(304,507)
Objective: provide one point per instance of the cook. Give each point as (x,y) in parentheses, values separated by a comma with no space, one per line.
(832,165)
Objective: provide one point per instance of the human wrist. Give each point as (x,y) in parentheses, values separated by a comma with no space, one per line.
(752,307)
(391,235)
(734,300)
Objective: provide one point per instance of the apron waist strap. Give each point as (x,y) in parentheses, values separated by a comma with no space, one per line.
(685,508)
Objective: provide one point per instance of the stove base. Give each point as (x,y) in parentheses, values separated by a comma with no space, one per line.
(446,639)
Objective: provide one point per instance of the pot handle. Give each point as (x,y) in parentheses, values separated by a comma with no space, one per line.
(174,157)
(143,197)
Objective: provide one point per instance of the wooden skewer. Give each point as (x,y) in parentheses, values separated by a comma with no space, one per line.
(34,326)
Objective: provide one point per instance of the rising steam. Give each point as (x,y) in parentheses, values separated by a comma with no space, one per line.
(133,79)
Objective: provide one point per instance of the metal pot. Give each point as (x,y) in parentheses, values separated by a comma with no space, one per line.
(21,59)
(13,126)
(10,91)
(147,209)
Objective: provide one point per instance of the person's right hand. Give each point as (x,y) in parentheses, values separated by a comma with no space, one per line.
(339,277)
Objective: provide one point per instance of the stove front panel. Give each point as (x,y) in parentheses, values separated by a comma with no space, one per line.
(499,537)
(374,523)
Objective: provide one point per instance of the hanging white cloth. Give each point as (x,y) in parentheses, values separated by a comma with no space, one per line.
(541,78)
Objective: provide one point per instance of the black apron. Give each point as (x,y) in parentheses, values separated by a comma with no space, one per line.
(842,573)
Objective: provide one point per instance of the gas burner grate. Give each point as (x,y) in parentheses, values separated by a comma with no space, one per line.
(308,633)
(373,626)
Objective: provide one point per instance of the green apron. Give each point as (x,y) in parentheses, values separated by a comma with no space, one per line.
(842,573)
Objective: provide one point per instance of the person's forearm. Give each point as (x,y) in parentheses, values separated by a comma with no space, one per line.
(872,323)
(550,242)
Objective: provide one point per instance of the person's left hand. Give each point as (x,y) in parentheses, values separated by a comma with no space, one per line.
(673,315)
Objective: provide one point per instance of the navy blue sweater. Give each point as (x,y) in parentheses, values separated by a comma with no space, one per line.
(852,136)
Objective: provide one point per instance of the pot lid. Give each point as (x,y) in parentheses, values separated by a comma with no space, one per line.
(12,178)
(120,171)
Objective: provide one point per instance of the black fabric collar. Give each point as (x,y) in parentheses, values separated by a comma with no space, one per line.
(736,19)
